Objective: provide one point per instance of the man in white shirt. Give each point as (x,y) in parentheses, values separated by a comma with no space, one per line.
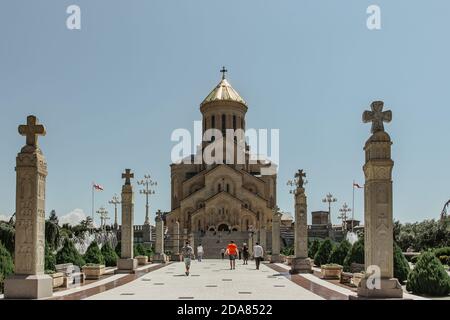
(258,254)
(200,252)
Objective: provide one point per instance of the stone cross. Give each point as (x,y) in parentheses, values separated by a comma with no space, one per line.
(29,280)
(299,178)
(32,130)
(127,175)
(377,116)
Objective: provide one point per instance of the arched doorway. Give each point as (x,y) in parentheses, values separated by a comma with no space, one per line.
(223,227)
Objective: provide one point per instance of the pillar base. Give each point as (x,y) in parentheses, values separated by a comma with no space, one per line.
(276,258)
(28,286)
(126,265)
(301,265)
(389,288)
(159,258)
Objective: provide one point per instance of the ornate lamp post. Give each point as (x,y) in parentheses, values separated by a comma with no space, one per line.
(115,201)
(147,182)
(103,217)
(330,199)
(344,210)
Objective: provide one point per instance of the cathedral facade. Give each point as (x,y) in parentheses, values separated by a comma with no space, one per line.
(224,196)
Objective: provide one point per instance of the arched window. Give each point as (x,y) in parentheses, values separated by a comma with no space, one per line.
(234,122)
(228,187)
(219,187)
(213,122)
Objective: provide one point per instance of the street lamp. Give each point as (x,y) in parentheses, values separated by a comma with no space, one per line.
(330,199)
(147,182)
(115,201)
(103,217)
(344,210)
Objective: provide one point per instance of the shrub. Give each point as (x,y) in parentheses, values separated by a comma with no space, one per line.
(118,249)
(401,265)
(6,264)
(312,250)
(139,250)
(93,254)
(428,276)
(288,251)
(109,255)
(322,255)
(355,255)
(7,236)
(50,258)
(69,254)
(445,260)
(414,259)
(340,252)
(444,251)
(52,234)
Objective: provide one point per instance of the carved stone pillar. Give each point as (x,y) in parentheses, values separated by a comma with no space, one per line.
(276,223)
(159,243)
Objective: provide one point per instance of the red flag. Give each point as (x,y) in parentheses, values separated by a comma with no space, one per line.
(357,185)
(98,187)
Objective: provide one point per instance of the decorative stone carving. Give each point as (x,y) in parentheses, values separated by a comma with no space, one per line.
(159,243)
(29,280)
(127,263)
(378,216)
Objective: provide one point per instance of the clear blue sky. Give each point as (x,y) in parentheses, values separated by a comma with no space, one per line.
(111,94)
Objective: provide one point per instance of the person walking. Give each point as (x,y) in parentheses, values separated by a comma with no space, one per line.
(232,252)
(200,252)
(222,252)
(245,253)
(188,253)
(258,254)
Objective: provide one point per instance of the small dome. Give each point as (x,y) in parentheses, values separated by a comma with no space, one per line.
(223,92)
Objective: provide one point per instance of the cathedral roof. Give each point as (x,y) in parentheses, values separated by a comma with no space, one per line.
(224,92)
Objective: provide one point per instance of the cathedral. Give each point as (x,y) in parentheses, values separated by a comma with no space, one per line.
(228,198)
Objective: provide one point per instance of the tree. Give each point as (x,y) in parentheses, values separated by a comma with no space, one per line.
(50,258)
(52,234)
(118,248)
(428,276)
(109,255)
(53,217)
(340,252)
(6,264)
(401,265)
(69,254)
(355,255)
(323,253)
(93,254)
(7,236)
(139,250)
(312,250)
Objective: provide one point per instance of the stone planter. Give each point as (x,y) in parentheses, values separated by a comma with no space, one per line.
(357,277)
(331,271)
(93,272)
(58,279)
(142,260)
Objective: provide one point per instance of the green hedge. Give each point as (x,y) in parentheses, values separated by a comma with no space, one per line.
(69,254)
(340,252)
(93,254)
(312,250)
(401,265)
(355,255)
(322,255)
(428,276)
(6,264)
(50,258)
(109,255)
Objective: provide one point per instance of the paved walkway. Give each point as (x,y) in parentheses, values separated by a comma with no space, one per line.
(210,280)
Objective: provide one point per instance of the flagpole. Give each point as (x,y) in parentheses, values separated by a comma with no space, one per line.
(353,205)
(93,194)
